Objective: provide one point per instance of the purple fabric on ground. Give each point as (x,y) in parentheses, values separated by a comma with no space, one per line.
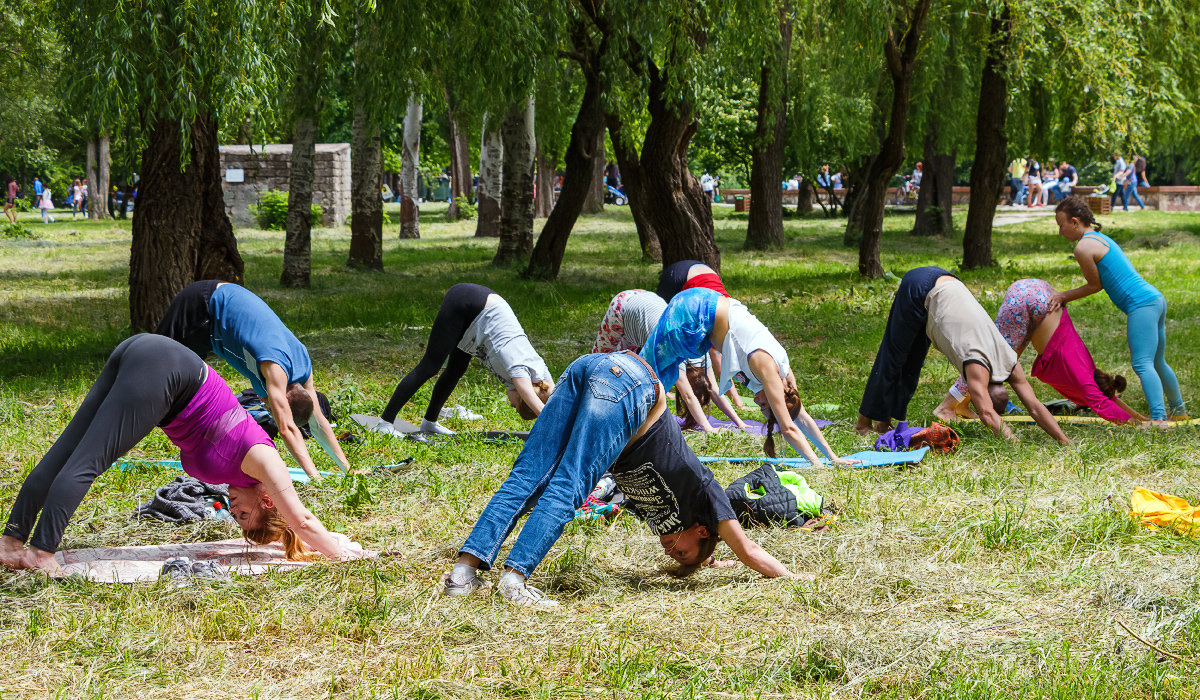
(752,426)
(897,439)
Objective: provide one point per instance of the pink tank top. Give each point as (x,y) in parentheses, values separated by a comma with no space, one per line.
(214,433)
(1067,366)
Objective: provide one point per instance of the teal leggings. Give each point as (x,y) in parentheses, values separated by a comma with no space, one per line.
(1147,335)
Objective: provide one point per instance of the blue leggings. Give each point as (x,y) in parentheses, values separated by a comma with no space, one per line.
(1147,335)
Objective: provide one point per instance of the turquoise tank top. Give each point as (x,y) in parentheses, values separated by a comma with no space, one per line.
(1124,286)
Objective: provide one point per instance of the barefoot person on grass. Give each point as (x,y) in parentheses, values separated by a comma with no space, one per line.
(1063,360)
(698,320)
(630,319)
(934,306)
(474,321)
(1105,267)
(608,413)
(150,380)
(230,320)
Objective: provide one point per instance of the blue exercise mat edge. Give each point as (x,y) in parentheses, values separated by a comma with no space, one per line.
(869,458)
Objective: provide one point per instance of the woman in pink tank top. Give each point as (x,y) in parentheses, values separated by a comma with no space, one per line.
(152,380)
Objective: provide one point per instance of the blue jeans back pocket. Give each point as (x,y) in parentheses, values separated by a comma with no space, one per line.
(610,379)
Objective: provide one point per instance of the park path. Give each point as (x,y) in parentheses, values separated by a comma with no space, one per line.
(1009,216)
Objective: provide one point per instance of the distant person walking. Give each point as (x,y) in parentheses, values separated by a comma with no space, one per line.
(10,201)
(76,197)
(37,190)
(708,184)
(1132,178)
(1121,170)
(46,204)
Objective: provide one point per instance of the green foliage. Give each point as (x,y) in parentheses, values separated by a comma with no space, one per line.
(17,230)
(466,211)
(271,210)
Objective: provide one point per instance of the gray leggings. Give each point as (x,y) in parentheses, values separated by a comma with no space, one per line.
(146,382)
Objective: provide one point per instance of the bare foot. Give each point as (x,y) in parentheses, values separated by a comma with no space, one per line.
(1160,423)
(37,559)
(11,551)
(863,425)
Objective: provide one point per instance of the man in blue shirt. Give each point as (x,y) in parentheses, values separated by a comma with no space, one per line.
(228,319)
(37,188)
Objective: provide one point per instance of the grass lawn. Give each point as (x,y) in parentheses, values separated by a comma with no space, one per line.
(994,573)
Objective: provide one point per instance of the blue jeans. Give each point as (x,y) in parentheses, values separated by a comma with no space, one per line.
(1119,191)
(1061,192)
(599,403)
(1132,193)
(1147,334)
(1018,189)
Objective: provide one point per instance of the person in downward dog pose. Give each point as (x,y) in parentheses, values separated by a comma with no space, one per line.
(698,320)
(230,320)
(1063,360)
(474,320)
(1105,266)
(631,317)
(151,380)
(607,413)
(934,306)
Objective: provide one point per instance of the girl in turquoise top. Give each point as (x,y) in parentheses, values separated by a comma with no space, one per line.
(1105,266)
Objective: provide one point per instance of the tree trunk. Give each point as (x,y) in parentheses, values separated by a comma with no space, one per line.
(670,206)
(92,180)
(627,161)
(297,244)
(988,170)
(100,194)
(366,206)
(460,165)
(935,200)
(516,199)
(543,203)
(491,162)
(410,165)
(181,232)
(594,203)
(804,197)
(764,230)
(900,60)
(578,180)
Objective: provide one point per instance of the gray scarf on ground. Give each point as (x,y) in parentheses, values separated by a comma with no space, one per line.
(182,500)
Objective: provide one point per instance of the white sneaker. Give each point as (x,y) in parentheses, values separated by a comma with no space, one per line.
(385,428)
(463,580)
(515,590)
(428,426)
(460,412)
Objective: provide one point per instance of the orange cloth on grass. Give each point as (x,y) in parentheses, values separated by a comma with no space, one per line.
(1164,510)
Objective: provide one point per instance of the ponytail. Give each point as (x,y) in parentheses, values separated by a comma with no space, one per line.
(697,378)
(792,400)
(273,528)
(1075,207)
(1109,385)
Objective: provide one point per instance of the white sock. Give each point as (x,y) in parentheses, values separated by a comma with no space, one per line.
(511,579)
(428,426)
(461,573)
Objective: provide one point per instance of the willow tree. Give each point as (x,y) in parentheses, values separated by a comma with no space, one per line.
(764,229)
(178,71)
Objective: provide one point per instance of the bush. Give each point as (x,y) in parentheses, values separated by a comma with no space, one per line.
(271,210)
(466,210)
(17,230)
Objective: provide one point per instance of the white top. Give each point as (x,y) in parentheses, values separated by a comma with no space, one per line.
(746,335)
(497,339)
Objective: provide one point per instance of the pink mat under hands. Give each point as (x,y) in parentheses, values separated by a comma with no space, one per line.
(142,564)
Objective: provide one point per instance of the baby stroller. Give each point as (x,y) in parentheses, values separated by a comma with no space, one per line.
(614,196)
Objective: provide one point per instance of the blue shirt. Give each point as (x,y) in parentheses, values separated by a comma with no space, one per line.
(37,187)
(1124,286)
(245,332)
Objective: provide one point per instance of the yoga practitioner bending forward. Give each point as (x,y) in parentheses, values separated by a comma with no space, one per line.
(230,320)
(152,380)
(630,319)
(609,412)
(933,305)
(1063,360)
(1105,266)
(474,320)
(697,320)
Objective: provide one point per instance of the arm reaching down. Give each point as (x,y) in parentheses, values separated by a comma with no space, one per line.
(528,394)
(751,554)
(276,382)
(1087,252)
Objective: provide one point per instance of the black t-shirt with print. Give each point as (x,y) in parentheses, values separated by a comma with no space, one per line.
(666,486)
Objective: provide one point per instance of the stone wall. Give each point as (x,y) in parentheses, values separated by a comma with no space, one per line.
(266,168)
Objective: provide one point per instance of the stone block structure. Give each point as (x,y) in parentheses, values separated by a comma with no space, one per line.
(266,167)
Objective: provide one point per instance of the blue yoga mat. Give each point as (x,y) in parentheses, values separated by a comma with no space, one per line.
(297,473)
(870,458)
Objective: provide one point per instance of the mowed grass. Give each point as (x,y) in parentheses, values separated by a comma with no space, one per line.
(999,572)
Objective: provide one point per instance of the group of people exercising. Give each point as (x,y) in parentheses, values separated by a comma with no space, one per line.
(606,412)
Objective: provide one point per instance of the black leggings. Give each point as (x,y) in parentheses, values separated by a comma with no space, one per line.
(147,381)
(673,277)
(188,319)
(462,303)
(902,352)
